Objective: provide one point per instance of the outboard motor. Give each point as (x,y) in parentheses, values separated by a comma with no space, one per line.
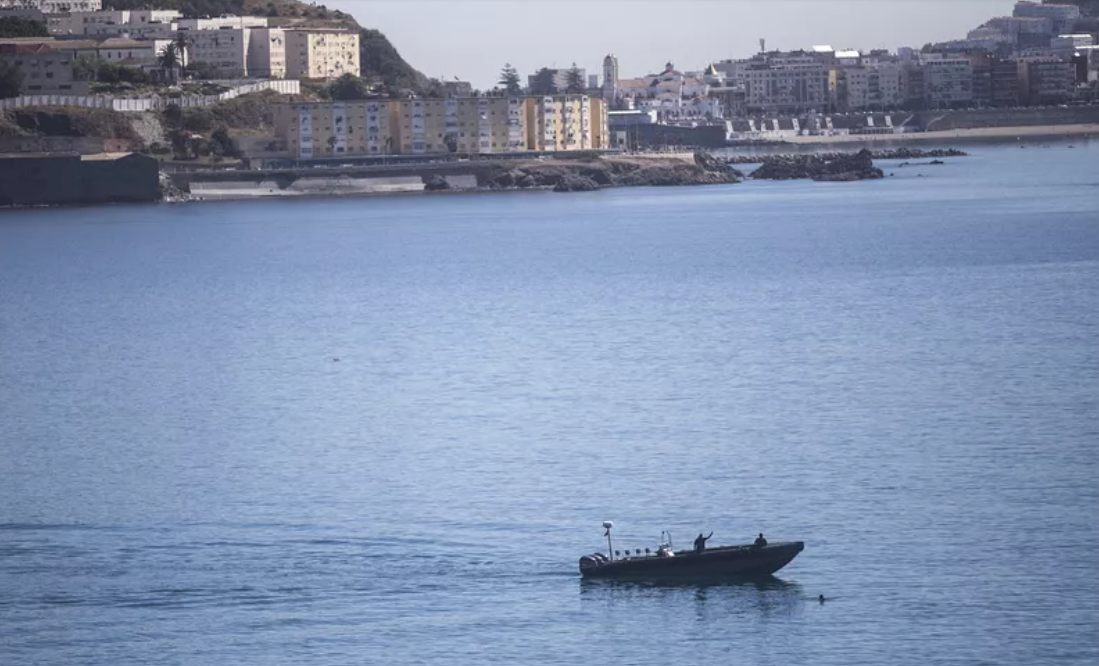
(593,561)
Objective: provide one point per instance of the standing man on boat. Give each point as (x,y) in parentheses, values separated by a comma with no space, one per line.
(700,542)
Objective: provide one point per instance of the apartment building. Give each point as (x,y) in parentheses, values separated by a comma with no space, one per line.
(223,23)
(143,23)
(948,82)
(45,70)
(224,50)
(266,53)
(785,83)
(321,54)
(54,6)
(325,130)
(1046,80)
(480,125)
(565,123)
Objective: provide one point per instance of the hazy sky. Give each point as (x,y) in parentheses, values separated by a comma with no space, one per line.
(472,39)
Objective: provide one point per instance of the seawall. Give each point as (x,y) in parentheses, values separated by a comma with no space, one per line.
(46,179)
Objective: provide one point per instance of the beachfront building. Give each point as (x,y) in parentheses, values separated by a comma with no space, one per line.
(785,82)
(473,125)
(313,53)
(1046,80)
(948,82)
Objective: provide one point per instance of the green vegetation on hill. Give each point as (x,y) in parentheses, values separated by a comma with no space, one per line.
(379,60)
(14,26)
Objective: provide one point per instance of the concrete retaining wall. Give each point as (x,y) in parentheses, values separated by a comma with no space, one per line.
(143,104)
(42,180)
(333,186)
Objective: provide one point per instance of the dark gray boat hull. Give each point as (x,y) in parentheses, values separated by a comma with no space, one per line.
(723,562)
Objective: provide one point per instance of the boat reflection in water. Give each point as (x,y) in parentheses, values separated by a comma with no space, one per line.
(723,601)
(758,560)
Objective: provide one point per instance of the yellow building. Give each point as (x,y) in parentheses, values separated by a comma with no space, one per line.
(334,129)
(471,125)
(566,122)
(463,125)
(321,54)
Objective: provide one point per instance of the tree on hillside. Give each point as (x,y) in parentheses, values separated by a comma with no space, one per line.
(434,88)
(11,80)
(168,60)
(14,26)
(509,79)
(574,80)
(349,87)
(543,82)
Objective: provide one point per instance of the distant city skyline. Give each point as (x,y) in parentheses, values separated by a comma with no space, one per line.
(472,39)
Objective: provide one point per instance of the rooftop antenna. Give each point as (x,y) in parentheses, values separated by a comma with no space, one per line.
(608,525)
(762,45)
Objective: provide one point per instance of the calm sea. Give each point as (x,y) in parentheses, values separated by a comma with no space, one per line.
(383,430)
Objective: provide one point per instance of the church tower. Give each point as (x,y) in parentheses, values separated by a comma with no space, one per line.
(610,78)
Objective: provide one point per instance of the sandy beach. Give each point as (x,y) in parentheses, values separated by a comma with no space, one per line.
(977,134)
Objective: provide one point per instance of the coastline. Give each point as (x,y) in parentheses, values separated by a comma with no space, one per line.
(990,134)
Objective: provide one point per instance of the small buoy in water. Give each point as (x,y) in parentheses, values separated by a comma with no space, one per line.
(821,598)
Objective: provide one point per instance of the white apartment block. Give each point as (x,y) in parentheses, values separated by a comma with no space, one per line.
(948,81)
(224,50)
(223,23)
(874,87)
(267,53)
(321,54)
(54,6)
(136,24)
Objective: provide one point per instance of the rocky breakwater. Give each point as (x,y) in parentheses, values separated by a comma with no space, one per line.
(824,168)
(904,153)
(583,175)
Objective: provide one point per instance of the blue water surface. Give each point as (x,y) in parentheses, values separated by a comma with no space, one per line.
(383,430)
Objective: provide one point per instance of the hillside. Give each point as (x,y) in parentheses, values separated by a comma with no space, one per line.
(380,59)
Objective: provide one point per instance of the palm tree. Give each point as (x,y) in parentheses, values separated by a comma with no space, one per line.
(183,48)
(169,59)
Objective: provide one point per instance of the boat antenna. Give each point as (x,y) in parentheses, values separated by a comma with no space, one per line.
(608,525)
